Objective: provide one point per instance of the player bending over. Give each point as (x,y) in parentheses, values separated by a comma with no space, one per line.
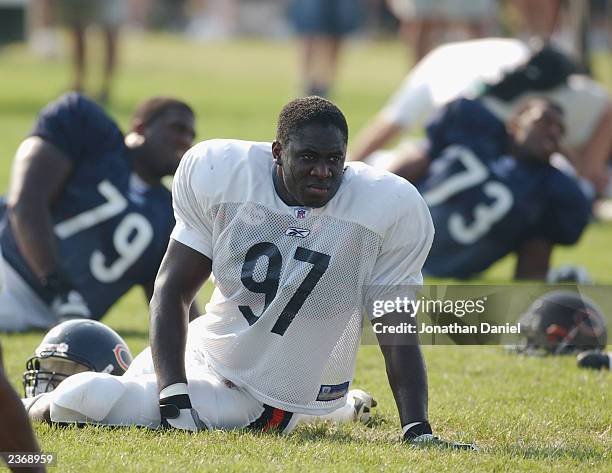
(87,217)
(503,72)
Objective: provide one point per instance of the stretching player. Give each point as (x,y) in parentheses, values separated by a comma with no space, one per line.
(504,72)
(492,191)
(87,217)
(296,242)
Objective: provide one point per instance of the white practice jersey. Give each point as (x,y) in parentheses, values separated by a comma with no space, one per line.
(285,318)
(428,87)
(472,63)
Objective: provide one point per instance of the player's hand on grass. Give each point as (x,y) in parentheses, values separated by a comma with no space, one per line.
(567,274)
(70,305)
(427,440)
(419,434)
(176,410)
(67,303)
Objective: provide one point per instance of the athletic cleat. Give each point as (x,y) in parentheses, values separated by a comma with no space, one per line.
(363,404)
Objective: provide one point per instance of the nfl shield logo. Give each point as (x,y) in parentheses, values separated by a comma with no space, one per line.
(301,213)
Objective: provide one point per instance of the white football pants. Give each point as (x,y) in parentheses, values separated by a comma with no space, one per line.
(20,306)
(132,399)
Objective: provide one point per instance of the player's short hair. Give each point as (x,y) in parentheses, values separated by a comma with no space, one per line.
(153,108)
(307,110)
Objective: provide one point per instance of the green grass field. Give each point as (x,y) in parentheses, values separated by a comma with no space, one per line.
(526,414)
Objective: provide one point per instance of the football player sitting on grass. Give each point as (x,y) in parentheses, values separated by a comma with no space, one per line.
(296,242)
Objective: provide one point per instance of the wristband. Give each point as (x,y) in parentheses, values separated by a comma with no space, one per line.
(57,282)
(175,389)
(415,429)
(172,399)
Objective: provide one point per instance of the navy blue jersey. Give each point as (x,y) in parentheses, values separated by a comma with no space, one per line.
(483,202)
(112,230)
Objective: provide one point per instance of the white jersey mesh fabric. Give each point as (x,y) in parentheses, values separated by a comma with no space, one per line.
(323,335)
(285,318)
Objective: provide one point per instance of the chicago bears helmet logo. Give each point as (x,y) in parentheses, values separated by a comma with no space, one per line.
(122,355)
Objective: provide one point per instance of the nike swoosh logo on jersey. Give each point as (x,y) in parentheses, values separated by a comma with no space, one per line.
(297,232)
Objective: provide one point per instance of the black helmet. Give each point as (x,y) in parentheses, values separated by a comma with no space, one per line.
(561,322)
(72,347)
(546,68)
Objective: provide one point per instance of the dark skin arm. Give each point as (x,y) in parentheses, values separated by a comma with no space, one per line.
(40,171)
(405,370)
(410,163)
(15,431)
(194,310)
(533,259)
(375,136)
(182,273)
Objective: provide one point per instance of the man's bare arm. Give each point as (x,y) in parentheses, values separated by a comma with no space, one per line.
(15,431)
(405,370)
(533,259)
(181,274)
(408,380)
(194,310)
(411,163)
(39,174)
(377,133)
